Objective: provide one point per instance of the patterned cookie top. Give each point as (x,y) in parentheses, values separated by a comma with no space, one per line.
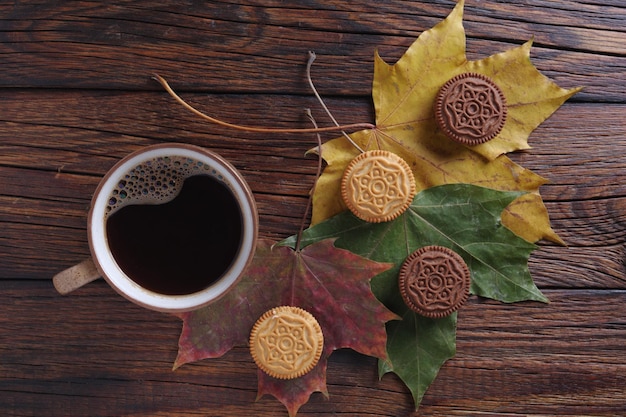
(470,109)
(378,186)
(286,342)
(434,281)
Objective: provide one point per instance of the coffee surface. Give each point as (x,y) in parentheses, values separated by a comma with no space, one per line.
(182,245)
(155,181)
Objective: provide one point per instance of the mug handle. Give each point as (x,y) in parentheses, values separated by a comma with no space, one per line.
(75,276)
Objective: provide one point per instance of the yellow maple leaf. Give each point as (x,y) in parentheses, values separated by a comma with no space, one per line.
(404,96)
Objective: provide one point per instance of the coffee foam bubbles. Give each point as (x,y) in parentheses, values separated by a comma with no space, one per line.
(156,181)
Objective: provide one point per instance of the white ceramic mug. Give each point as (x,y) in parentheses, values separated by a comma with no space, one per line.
(134,178)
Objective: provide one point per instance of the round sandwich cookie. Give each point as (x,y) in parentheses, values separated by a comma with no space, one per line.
(378,186)
(286,342)
(470,109)
(434,281)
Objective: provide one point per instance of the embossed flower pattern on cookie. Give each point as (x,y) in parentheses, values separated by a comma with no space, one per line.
(471,109)
(286,342)
(378,186)
(434,281)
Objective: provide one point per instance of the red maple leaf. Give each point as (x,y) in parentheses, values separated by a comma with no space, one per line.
(330,283)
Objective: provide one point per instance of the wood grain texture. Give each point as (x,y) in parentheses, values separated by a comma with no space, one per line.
(76,95)
(114,45)
(115,358)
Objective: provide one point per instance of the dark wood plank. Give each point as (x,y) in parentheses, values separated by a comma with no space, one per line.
(93,45)
(100,355)
(87,132)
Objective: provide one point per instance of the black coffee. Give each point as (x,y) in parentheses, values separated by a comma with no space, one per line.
(180,245)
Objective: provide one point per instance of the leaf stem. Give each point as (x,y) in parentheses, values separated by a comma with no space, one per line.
(309,63)
(171,92)
(317,176)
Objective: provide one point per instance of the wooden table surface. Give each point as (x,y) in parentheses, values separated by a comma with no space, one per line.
(77,95)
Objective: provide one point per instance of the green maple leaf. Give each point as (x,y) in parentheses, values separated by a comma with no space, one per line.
(419,346)
(330,283)
(463,217)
